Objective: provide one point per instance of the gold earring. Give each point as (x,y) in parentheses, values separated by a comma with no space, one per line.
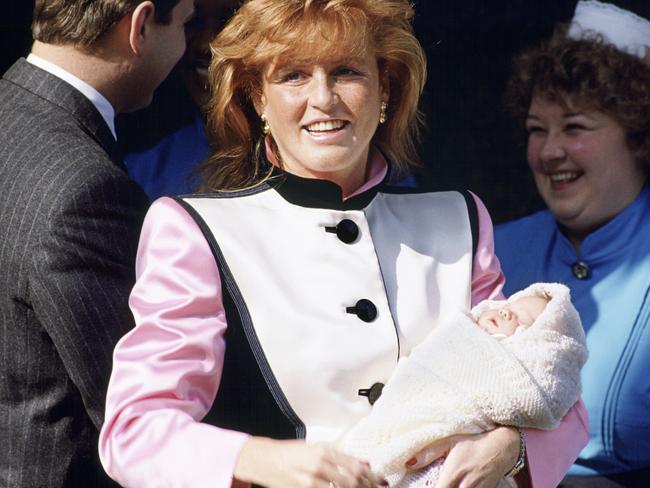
(266,128)
(383,116)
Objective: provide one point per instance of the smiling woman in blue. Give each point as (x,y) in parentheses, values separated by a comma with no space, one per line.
(584,99)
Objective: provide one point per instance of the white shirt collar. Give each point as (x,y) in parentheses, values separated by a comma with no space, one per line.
(97,99)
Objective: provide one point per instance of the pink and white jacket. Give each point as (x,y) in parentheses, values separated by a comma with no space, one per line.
(278,310)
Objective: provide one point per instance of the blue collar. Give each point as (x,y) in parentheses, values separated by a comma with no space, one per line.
(612,237)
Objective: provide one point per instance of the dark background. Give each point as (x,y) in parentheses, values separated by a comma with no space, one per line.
(15,37)
(469,141)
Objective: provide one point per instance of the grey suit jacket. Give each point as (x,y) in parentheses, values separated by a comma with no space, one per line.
(69,223)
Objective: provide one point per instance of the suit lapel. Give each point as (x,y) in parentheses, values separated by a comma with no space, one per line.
(56,91)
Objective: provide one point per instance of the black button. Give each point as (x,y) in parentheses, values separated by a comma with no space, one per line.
(373,393)
(580,270)
(364,309)
(346,230)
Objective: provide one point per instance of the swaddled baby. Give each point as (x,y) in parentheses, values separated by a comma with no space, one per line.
(520,366)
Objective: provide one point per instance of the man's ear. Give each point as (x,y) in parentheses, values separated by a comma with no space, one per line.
(141,19)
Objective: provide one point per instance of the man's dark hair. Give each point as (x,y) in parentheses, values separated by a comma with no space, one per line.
(84,22)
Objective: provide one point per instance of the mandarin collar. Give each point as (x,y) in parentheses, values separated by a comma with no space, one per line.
(615,235)
(316,193)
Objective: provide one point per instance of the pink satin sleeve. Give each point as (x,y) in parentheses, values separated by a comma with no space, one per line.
(549,453)
(166,371)
(487,277)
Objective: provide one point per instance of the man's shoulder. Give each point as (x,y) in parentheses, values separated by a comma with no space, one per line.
(39,138)
(20,85)
(33,151)
(29,119)
(48,160)
(19,105)
(41,112)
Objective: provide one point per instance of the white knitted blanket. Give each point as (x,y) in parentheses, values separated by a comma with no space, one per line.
(460,380)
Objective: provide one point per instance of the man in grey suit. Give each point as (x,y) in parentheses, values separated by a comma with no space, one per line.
(70,219)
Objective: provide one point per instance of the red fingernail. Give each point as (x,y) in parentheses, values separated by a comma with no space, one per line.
(383,483)
(411,462)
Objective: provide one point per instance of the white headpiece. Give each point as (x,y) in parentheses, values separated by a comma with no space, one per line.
(624,29)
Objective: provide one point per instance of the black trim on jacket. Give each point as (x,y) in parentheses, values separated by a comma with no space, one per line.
(249,398)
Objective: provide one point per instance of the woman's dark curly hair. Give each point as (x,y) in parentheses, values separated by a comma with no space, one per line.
(588,73)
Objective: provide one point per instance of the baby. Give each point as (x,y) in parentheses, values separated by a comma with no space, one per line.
(524,372)
(507,319)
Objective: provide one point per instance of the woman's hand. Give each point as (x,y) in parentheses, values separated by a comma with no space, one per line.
(477,460)
(286,464)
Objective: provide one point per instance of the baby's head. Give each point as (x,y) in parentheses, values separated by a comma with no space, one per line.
(505,320)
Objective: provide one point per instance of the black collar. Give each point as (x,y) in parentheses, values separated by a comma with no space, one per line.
(315,193)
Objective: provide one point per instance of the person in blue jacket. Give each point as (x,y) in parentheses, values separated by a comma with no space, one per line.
(584,99)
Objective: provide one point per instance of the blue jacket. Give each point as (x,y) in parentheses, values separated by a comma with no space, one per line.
(614,303)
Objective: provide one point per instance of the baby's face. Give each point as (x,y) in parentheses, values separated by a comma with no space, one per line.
(519,313)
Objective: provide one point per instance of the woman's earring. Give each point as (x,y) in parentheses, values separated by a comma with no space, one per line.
(382,112)
(266,128)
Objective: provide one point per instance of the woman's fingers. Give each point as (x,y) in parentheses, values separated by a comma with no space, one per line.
(353,473)
(479,460)
(471,461)
(289,464)
(437,450)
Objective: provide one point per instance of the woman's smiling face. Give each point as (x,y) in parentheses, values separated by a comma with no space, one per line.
(323,115)
(583,166)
